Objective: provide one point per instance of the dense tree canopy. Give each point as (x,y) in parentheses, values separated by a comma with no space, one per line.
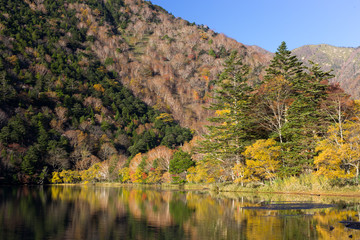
(63,109)
(60,106)
(274,127)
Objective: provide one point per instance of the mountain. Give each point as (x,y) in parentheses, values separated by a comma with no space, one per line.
(345,63)
(87,81)
(166,61)
(93,85)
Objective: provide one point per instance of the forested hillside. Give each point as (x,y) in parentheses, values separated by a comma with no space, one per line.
(95,90)
(61,105)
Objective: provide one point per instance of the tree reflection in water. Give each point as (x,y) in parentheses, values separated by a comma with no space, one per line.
(92,212)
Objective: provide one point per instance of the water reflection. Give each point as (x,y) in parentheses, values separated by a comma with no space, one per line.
(91,212)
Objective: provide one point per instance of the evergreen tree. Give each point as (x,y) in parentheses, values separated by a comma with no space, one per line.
(284,64)
(275,94)
(232,124)
(306,118)
(30,159)
(180,162)
(290,99)
(7,91)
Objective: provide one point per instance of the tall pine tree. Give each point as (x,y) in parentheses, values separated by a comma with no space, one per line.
(306,118)
(291,95)
(232,127)
(284,64)
(276,94)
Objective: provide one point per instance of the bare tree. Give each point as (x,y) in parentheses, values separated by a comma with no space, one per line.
(58,159)
(107,150)
(338,107)
(276,99)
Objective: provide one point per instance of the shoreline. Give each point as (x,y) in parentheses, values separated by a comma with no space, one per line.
(221,188)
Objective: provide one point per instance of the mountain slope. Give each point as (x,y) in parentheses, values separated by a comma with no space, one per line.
(166,61)
(89,81)
(84,81)
(345,63)
(60,107)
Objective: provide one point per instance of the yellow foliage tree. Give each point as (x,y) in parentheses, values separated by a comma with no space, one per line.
(92,174)
(139,176)
(124,175)
(55,178)
(154,176)
(205,172)
(242,173)
(69,176)
(339,152)
(262,159)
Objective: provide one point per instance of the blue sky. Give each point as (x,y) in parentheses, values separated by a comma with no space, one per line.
(266,23)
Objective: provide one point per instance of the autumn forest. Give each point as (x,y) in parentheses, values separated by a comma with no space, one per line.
(122,91)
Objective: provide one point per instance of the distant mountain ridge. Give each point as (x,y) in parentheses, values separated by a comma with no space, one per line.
(344,61)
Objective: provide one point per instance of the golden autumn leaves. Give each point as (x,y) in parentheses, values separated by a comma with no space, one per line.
(262,161)
(339,152)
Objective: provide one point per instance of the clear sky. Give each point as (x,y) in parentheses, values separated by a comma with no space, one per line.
(266,23)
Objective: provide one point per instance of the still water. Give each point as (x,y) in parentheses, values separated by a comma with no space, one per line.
(93,212)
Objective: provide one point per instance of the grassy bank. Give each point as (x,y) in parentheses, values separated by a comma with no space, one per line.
(304,184)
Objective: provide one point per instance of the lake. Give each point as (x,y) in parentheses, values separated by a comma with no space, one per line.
(104,212)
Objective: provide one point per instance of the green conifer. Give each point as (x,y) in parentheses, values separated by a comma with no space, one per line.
(232,125)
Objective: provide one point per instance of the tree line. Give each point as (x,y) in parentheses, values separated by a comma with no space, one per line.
(63,109)
(60,107)
(293,122)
